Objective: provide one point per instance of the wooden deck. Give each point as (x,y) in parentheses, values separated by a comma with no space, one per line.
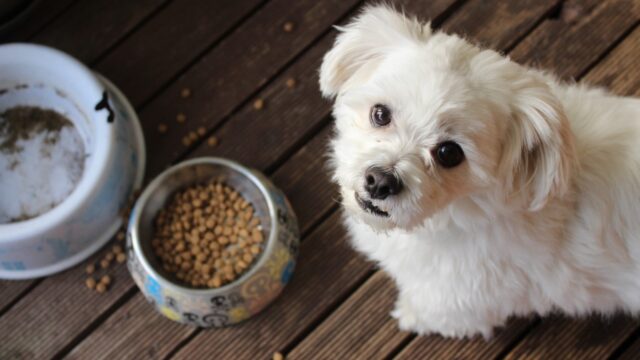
(232,52)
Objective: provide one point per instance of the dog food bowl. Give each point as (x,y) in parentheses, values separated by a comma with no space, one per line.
(33,75)
(253,290)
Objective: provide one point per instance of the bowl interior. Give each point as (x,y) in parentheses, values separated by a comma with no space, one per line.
(182,177)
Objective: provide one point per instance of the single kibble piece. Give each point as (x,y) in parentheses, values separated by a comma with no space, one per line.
(91,268)
(258,104)
(101,288)
(186,141)
(162,128)
(193,136)
(278,356)
(185,93)
(291,83)
(105,279)
(104,263)
(202,131)
(120,258)
(117,249)
(181,117)
(288,26)
(91,282)
(212,141)
(109,256)
(120,236)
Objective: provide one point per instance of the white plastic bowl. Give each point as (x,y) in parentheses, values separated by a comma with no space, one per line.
(35,75)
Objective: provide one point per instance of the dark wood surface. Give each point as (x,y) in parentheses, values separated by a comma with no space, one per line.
(230,53)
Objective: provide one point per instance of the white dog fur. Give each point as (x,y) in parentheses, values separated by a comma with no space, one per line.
(542,215)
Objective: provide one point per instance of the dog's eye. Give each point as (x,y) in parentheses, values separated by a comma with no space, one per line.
(380,115)
(449,154)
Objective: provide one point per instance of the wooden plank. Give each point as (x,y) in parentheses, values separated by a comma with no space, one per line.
(443,347)
(562,338)
(517,18)
(436,347)
(305,179)
(288,115)
(226,76)
(358,329)
(55,311)
(182,30)
(91,27)
(572,44)
(616,71)
(37,21)
(117,339)
(632,352)
(11,290)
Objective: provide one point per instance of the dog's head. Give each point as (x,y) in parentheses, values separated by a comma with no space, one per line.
(426,119)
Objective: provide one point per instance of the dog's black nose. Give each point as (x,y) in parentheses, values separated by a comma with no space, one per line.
(380,183)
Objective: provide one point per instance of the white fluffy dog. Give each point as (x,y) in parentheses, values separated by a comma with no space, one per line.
(484,188)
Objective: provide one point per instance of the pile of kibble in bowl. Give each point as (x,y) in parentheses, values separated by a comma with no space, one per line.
(207,236)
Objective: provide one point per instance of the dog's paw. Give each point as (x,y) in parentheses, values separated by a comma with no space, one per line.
(406,316)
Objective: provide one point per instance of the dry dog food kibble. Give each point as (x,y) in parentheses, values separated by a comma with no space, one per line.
(185,93)
(258,104)
(207,236)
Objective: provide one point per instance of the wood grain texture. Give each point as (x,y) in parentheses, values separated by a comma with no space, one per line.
(11,290)
(436,347)
(37,21)
(56,311)
(478,20)
(633,351)
(358,329)
(181,31)
(572,43)
(562,338)
(305,179)
(135,331)
(89,28)
(618,71)
(233,70)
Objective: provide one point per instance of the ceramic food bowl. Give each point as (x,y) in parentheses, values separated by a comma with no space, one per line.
(253,290)
(34,75)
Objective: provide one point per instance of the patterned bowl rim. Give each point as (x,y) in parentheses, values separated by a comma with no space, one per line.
(134,224)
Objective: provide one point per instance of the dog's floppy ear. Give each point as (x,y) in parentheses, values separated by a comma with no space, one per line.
(364,41)
(538,152)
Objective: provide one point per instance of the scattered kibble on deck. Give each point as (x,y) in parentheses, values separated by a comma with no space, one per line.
(288,26)
(91,283)
(90,269)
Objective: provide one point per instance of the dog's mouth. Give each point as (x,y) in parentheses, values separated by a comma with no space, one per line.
(367,205)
